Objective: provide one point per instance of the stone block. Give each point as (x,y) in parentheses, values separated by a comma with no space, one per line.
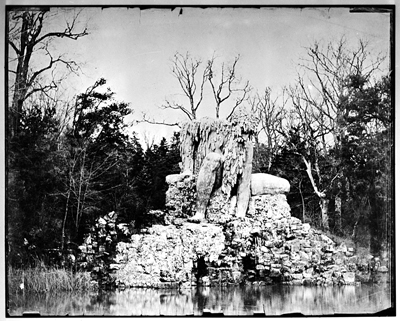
(297,276)
(383,269)
(205,281)
(262,184)
(274,273)
(326,239)
(175,178)
(349,277)
(297,282)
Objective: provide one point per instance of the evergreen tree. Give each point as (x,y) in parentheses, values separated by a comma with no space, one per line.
(32,211)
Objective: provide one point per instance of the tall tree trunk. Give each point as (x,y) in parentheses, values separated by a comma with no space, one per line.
(323,200)
(21,78)
(338,212)
(302,204)
(65,220)
(256,159)
(324,203)
(375,223)
(81,182)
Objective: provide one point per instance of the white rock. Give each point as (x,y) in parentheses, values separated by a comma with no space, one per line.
(349,277)
(326,239)
(383,269)
(262,184)
(174,178)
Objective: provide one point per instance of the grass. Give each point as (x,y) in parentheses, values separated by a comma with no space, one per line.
(45,279)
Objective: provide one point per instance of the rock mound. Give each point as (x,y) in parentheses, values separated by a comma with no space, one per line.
(268,246)
(168,255)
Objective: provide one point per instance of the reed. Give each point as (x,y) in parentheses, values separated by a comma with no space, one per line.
(46,279)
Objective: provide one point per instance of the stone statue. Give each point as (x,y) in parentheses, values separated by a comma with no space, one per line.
(209,179)
(216,185)
(220,154)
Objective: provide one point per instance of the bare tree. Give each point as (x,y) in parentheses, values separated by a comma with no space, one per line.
(26,40)
(192,77)
(318,111)
(225,84)
(271,114)
(185,69)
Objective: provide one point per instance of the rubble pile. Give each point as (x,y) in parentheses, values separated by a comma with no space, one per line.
(167,256)
(99,249)
(267,246)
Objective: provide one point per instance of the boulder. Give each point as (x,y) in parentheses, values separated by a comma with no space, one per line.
(383,269)
(175,178)
(262,184)
(349,277)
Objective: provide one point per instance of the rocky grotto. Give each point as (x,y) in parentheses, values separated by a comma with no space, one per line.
(224,225)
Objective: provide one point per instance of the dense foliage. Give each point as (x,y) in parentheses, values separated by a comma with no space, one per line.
(59,183)
(361,164)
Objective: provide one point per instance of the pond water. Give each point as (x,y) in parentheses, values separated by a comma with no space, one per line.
(244,300)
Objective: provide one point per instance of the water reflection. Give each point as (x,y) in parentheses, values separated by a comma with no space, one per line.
(273,300)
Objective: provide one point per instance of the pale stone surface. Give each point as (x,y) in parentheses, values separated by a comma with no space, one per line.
(167,254)
(383,269)
(274,207)
(262,184)
(233,140)
(243,193)
(201,137)
(206,182)
(175,178)
(180,198)
(349,277)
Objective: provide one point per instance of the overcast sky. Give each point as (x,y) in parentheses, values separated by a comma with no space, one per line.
(132,48)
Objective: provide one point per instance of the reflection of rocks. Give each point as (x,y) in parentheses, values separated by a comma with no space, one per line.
(232,300)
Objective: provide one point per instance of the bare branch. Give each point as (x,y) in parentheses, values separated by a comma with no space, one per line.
(176,106)
(146,119)
(245,91)
(67,33)
(225,88)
